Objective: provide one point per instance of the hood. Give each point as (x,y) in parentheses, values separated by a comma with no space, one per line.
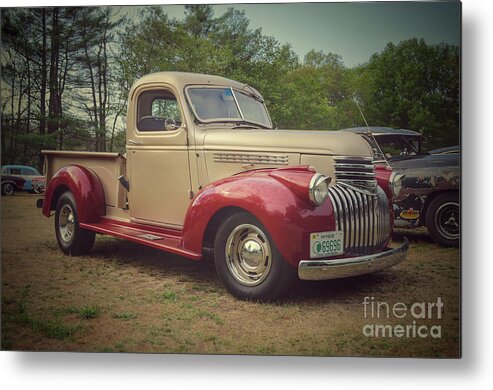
(428,161)
(288,141)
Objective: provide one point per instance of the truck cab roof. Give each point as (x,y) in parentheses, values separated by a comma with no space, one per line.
(181,79)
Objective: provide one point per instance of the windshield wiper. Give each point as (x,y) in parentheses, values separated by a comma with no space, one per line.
(252,93)
(237,124)
(247,125)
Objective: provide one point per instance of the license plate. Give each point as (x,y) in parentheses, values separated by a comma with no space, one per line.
(325,244)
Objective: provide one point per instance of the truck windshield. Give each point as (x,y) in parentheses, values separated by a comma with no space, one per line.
(225,104)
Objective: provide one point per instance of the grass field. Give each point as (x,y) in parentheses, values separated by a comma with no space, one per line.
(127,297)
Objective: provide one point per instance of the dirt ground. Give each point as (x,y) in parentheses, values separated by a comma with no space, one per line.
(127,297)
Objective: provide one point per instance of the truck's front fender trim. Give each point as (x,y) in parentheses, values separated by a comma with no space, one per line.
(351,266)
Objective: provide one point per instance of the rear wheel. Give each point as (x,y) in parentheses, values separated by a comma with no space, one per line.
(8,189)
(248,262)
(72,239)
(443,219)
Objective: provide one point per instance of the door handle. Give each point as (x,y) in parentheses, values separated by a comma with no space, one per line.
(134,142)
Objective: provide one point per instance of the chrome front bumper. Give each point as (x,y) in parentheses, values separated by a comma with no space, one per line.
(351,266)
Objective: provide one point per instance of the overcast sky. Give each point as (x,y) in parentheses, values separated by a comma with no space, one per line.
(353,30)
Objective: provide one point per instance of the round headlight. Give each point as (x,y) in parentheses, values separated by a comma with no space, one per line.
(319,188)
(396,183)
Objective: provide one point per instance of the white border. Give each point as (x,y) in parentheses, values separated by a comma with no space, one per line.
(134,371)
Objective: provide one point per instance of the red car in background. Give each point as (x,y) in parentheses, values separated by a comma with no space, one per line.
(21,178)
(11,184)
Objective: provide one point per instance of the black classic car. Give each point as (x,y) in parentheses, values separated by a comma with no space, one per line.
(431,186)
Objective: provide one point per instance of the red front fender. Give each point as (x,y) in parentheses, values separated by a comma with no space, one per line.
(382,174)
(85,186)
(275,202)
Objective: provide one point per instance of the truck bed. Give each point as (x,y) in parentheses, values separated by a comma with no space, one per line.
(107,166)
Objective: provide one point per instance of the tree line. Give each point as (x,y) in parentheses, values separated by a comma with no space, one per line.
(66,72)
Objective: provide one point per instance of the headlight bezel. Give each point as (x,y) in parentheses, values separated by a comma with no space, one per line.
(395,183)
(319,182)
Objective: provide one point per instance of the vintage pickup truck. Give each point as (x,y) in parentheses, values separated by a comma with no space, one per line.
(205,172)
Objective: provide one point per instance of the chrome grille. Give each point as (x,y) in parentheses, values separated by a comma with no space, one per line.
(364,218)
(356,172)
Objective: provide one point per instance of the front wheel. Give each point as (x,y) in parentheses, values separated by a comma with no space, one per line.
(443,219)
(8,189)
(248,262)
(72,239)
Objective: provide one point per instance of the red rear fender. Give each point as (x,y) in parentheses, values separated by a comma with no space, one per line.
(85,186)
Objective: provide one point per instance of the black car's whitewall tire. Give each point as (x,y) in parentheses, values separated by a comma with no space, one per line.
(248,262)
(72,239)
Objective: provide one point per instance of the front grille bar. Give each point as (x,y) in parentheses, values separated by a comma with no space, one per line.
(357,172)
(364,218)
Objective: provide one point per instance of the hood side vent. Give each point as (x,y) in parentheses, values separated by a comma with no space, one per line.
(242,158)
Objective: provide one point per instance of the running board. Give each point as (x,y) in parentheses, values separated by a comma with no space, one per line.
(159,238)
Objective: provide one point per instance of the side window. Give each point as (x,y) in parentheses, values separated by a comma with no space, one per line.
(28,172)
(15,171)
(154,108)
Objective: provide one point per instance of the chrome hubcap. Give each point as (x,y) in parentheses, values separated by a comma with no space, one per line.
(66,223)
(248,255)
(447,220)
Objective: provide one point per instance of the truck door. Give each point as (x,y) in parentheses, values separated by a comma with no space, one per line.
(157,157)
